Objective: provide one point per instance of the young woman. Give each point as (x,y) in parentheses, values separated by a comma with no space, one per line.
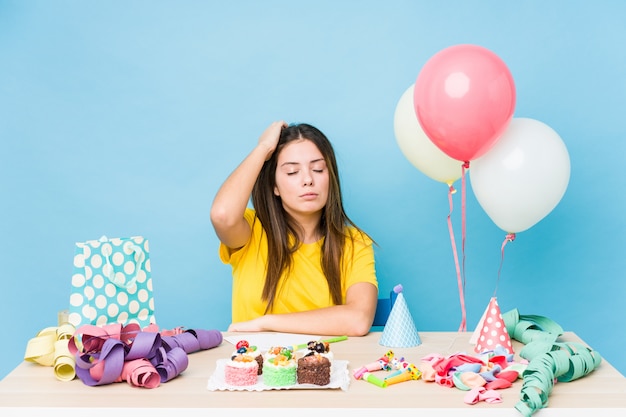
(300,265)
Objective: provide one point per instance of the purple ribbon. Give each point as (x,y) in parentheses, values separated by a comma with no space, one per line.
(194,340)
(110,359)
(167,354)
(144,345)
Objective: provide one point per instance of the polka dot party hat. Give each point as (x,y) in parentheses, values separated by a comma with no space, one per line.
(400,330)
(491,330)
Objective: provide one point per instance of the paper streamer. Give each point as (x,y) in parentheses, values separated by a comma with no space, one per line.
(101,355)
(528,328)
(549,361)
(116,353)
(563,362)
(50,348)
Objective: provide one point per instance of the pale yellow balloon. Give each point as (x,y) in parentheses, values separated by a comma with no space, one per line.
(418,148)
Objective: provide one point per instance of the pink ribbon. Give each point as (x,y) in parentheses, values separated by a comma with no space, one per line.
(140,373)
(460,281)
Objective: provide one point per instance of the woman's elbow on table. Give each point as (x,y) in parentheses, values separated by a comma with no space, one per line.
(360,324)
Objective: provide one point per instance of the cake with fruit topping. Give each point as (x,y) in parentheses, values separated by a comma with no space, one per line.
(279,367)
(315,366)
(244,348)
(241,370)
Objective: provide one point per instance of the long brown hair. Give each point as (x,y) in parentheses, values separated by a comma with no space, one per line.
(282,230)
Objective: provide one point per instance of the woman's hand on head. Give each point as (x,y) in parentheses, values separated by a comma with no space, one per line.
(269,138)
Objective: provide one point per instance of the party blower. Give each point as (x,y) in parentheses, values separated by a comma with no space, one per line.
(381,364)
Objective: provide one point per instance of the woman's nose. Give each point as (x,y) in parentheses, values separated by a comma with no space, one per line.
(308,178)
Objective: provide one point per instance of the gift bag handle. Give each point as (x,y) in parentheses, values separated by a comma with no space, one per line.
(140,258)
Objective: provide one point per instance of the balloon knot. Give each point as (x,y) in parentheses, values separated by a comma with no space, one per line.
(466,164)
(452,189)
(510,237)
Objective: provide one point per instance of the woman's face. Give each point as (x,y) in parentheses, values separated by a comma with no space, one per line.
(301,178)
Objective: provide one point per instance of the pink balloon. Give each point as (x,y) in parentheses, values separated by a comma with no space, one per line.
(464,99)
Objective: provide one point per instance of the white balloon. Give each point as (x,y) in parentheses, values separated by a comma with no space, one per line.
(418,148)
(522,178)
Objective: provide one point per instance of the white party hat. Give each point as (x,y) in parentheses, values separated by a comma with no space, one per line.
(400,330)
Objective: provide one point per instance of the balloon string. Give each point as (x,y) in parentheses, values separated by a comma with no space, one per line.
(464,166)
(463,326)
(510,237)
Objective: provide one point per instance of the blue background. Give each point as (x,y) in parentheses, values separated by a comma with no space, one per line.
(122,118)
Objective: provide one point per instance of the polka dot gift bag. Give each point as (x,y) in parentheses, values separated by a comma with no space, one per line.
(112,283)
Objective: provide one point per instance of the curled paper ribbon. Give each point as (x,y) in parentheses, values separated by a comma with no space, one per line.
(529,328)
(140,373)
(561,362)
(101,355)
(50,348)
(116,353)
(549,361)
(101,367)
(64,363)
